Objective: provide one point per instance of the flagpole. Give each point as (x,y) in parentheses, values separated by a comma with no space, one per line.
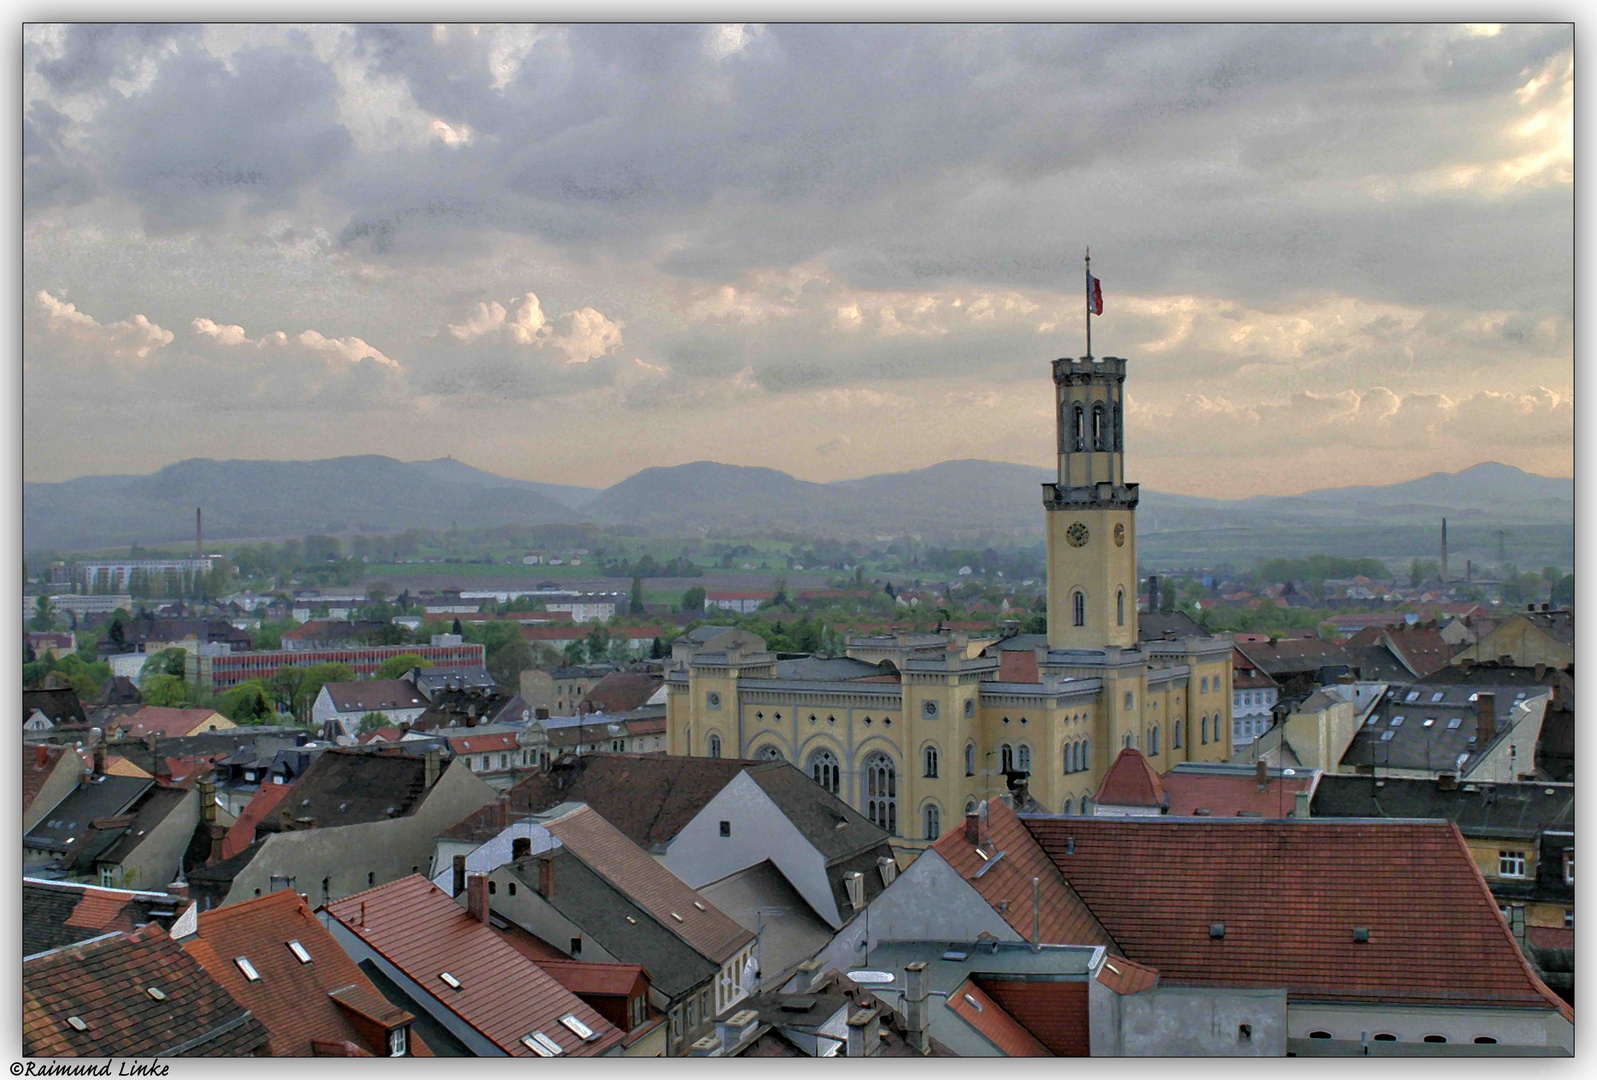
(1087,293)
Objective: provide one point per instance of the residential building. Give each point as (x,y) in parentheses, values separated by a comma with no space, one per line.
(49,775)
(82,604)
(114,575)
(52,707)
(229,669)
(1298,665)
(277,960)
(356,819)
(166,723)
(131,994)
(433,681)
(1253,697)
(340,706)
(641,731)
(1526,639)
(1398,654)
(1475,733)
(623,691)
(585,608)
(744,603)
(437,958)
(60,913)
(53,643)
(490,754)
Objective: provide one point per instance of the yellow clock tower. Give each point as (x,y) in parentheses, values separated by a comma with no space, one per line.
(1091,511)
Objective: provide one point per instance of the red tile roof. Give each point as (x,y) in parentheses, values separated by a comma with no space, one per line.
(167,723)
(678,907)
(1006,883)
(583,977)
(105,983)
(1227,796)
(1550,937)
(1126,976)
(101,909)
(1289,895)
(503,995)
(1130,781)
(382,734)
(620,691)
(292,999)
(482,744)
(1052,1010)
(971,1004)
(242,834)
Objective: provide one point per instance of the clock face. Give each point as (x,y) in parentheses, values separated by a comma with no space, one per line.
(1120,535)
(1076,534)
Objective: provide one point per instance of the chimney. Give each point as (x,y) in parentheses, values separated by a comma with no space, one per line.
(199,535)
(1485,719)
(1261,774)
(430,768)
(709,1046)
(41,756)
(972,828)
(546,875)
(1444,550)
(99,759)
(1469,571)
(477,896)
(915,1019)
(520,848)
(737,1027)
(1541,672)
(218,834)
(863,1031)
(207,788)
(983,836)
(804,978)
(459,882)
(179,888)
(1300,806)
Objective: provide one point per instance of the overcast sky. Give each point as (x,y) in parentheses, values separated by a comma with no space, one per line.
(1332,254)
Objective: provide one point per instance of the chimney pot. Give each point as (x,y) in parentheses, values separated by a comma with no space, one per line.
(546,876)
(218,835)
(430,768)
(477,896)
(972,828)
(1301,804)
(863,1031)
(459,882)
(1485,718)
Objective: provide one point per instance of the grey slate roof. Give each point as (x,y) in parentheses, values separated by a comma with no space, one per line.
(1153,625)
(602,911)
(1414,745)
(47,905)
(68,824)
(822,669)
(1522,810)
(817,813)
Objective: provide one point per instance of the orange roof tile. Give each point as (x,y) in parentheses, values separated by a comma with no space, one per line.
(293,999)
(100,909)
(1131,781)
(1006,883)
(1289,894)
(584,977)
(971,1004)
(1227,796)
(1052,1010)
(242,834)
(482,744)
(502,994)
(1126,976)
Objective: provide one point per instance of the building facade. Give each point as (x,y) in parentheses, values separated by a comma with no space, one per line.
(914,730)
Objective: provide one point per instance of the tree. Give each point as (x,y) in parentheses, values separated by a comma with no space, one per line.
(246,703)
(284,683)
(166,662)
(598,643)
(317,677)
(635,598)
(693,598)
(455,629)
(379,591)
(372,721)
(576,651)
(43,615)
(1564,592)
(165,690)
(657,650)
(507,661)
(396,667)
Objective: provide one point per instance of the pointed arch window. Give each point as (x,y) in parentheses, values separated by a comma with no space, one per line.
(1175,734)
(1098,433)
(934,822)
(824,770)
(715,746)
(1120,608)
(1006,758)
(1203,729)
(970,759)
(1153,740)
(1023,759)
(1070,806)
(881,792)
(1078,609)
(1080,430)
(931,761)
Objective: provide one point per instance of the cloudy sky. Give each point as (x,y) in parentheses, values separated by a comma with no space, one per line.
(1333,254)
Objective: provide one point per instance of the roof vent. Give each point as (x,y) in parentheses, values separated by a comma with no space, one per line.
(677,917)
(700,905)
(1361,934)
(77,1023)
(155,992)
(1202,811)
(1217,929)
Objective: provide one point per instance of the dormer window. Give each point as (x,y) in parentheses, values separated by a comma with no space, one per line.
(398,1042)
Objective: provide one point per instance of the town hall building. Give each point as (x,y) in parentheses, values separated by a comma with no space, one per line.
(914,730)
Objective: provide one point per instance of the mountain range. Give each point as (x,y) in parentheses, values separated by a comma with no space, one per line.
(966,502)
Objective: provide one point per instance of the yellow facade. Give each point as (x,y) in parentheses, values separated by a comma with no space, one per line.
(948,729)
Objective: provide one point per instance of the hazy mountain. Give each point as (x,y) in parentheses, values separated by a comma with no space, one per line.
(969,503)
(458,472)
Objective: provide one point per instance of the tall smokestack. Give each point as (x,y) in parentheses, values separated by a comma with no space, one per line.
(199,537)
(1444,550)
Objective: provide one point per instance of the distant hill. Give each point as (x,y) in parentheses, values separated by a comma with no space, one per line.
(968,503)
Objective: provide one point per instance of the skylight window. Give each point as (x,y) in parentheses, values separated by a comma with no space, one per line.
(1453,722)
(1397,721)
(1386,736)
(536,1047)
(1436,697)
(1372,721)
(299,952)
(247,968)
(1413,695)
(77,1023)
(578,1028)
(1429,720)
(155,992)
(449,980)
(539,1039)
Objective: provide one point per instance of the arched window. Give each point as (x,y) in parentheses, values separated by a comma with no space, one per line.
(1203,729)
(970,759)
(1120,608)
(931,761)
(1006,758)
(934,822)
(1175,734)
(769,753)
(1125,741)
(881,792)
(970,806)
(715,746)
(1070,806)
(1086,804)
(1081,429)
(1023,759)
(1084,759)
(1078,605)
(1153,740)
(824,770)
(1204,685)
(1097,428)
(1067,758)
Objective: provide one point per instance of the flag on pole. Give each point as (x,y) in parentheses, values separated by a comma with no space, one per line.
(1094,296)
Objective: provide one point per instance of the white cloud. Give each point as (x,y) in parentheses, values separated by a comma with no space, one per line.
(135,337)
(589,334)
(351,350)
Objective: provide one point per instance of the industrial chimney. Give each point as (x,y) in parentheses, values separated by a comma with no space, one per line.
(1444,550)
(199,535)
